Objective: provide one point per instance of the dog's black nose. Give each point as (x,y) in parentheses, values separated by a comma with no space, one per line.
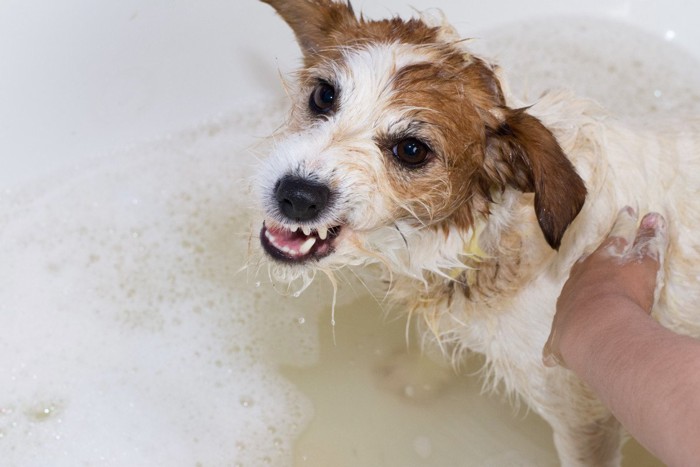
(301,199)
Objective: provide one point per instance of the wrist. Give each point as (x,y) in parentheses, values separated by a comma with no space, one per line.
(600,322)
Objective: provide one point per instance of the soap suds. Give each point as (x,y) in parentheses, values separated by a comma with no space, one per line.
(632,73)
(129,334)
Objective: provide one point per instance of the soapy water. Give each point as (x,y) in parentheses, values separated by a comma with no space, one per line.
(129,335)
(635,75)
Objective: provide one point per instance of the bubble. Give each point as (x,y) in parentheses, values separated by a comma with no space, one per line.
(42,411)
(423,447)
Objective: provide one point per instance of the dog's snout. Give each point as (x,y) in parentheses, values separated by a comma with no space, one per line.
(300,199)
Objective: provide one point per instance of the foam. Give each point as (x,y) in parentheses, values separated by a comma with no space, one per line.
(128,336)
(631,72)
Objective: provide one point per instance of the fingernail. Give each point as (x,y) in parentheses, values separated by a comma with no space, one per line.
(653,220)
(550,360)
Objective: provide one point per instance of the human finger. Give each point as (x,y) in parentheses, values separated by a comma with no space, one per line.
(651,240)
(623,232)
(550,356)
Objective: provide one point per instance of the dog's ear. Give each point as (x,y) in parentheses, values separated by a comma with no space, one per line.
(522,153)
(314,21)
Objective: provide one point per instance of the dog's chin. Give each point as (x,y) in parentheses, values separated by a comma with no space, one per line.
(298,246)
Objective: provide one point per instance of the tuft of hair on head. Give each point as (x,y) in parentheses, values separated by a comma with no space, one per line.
(521,152)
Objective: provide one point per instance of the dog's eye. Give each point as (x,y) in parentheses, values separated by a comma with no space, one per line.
(322,98)
(411,152)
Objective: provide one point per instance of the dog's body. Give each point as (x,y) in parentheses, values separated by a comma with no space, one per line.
(403,149)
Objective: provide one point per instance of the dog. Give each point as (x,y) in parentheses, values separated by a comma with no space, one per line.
(405,150)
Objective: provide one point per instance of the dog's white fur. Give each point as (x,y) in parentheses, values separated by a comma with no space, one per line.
(507,317)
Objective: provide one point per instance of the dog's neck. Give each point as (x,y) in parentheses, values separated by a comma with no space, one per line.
(486,263)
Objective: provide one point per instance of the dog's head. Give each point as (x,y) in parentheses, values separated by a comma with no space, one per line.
(395,128)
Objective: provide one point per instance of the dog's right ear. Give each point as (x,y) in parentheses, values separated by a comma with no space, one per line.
(315,22)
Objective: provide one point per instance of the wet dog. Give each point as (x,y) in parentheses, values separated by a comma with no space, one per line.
(404,149)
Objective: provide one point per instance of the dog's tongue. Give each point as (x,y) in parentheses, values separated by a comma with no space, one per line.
(292,243)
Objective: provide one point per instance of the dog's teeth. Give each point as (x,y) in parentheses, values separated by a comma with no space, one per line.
(322,233)
(306,230)
(308,244)
(294,228)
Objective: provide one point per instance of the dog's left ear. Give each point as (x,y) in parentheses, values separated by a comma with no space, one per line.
(315,22)
(522,153)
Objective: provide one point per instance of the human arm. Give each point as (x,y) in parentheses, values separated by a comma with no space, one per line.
(648,376)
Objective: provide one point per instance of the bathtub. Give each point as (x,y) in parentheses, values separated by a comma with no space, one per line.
(129,334)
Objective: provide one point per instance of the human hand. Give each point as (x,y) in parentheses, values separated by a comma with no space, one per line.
(625,267)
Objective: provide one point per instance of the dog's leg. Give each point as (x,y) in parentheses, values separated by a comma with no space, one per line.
(589,443)
(586,434)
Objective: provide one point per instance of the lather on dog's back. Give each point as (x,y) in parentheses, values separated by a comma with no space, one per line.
(405,150)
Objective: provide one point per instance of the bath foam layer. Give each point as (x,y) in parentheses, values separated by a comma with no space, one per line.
(127,334)
(635,74)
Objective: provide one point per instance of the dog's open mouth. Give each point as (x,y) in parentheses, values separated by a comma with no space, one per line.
(299,245)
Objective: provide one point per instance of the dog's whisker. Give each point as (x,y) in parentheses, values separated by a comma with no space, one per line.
(334,285)
(407,330)
(403,237)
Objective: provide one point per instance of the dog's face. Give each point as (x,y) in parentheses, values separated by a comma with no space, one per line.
(396,129)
